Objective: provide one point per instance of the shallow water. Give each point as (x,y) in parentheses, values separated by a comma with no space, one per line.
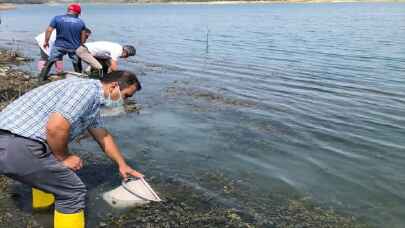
(303,97)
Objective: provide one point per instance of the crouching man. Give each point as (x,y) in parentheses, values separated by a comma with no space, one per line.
(104,55)
(37,127)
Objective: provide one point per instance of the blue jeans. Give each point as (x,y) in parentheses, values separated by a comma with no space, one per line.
(57,53)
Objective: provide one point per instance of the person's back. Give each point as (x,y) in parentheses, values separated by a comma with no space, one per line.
(28,115)
(68,30)
(107,53)
(105,49)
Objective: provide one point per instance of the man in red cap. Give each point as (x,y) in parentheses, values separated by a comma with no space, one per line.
(70,34)
(75,7)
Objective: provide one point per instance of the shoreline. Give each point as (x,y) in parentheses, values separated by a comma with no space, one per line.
(7,6)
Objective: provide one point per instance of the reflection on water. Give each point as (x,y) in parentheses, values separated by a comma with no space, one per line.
(324,84)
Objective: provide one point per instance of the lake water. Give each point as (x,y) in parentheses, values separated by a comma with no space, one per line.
(304,97)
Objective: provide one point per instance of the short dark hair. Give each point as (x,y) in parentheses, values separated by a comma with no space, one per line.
(131,51)
(124,79)
(87,30)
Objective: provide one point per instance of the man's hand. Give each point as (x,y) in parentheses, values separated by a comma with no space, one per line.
(126,171)
(46,45)
(73,162)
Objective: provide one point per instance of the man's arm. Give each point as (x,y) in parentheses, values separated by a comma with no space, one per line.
(48,34)
(107,143)
(57,137)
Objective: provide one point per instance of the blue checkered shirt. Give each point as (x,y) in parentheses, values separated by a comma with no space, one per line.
(78,100)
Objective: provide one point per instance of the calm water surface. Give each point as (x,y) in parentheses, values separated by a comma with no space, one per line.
(308,96)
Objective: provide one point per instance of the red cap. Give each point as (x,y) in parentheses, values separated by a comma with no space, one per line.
(75,8)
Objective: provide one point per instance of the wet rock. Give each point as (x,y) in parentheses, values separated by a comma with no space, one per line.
(216,98)
(13,82)
(132,106)
(13,57)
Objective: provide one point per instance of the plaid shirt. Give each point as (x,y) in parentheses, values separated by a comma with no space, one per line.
(78,100)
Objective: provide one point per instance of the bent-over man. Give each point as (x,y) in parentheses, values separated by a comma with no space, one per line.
(107,53)
(37,127)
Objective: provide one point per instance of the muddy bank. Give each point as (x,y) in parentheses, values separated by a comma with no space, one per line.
(13,82)
(207,199)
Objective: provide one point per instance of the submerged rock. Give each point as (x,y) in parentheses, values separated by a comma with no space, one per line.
(186,206)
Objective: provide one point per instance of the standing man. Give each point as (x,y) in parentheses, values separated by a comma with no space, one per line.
(37,127)
(70,35)
(44,53)
(108,53)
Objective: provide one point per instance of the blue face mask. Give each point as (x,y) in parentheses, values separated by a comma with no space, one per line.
(110,103)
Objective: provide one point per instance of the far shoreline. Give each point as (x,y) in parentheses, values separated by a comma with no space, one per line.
(7,6)
(11,6)
(272,2)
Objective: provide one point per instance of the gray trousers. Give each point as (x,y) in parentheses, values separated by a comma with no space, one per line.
(32,163)
(86,56)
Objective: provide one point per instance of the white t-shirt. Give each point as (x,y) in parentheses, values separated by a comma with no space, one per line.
(41,40)
(105,48)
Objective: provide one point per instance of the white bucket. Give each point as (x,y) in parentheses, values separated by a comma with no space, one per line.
(131,193)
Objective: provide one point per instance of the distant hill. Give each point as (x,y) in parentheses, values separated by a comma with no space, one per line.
(23,1)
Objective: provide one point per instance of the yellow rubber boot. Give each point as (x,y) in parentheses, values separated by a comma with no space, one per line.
(41,199)
(75,220)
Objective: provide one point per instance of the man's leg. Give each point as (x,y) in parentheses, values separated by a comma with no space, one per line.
(106,63)
(43,75)
(76,61)
(56,54)
(42,61)
(59,66)
(33,163)
(77,65)
(88,58)
(80,65)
